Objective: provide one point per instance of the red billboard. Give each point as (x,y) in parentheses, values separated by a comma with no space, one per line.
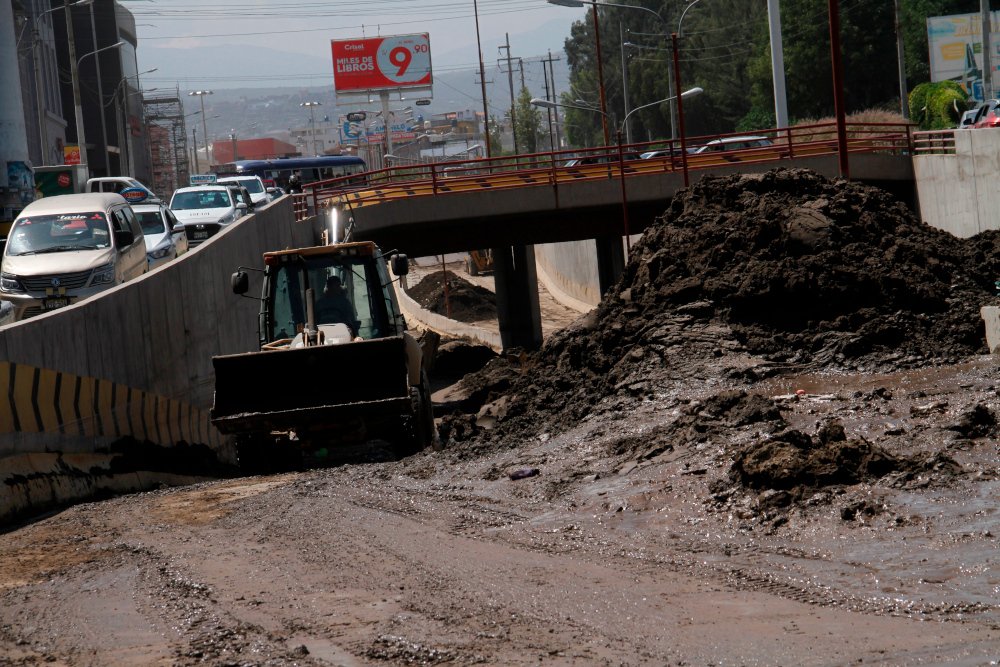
(381,63)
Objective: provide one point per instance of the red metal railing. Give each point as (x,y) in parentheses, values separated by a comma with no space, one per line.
(551,168)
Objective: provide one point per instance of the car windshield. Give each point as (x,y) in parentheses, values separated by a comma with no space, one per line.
(252,184)
(151,221)
(38,234)
(184,201)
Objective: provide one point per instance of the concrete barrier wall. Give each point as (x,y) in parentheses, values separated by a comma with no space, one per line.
(135,361)
(570,270)
(959,193)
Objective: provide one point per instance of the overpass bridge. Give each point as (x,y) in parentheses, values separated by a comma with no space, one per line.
(510,204)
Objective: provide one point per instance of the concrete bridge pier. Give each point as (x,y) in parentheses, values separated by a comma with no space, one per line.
(518,313)
(610,261)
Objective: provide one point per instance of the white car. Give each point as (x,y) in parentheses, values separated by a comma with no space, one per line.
(258,193)
(166,238)
(204,210)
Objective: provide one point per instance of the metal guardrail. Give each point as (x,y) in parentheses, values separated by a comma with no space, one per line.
(935,142)
(553,168)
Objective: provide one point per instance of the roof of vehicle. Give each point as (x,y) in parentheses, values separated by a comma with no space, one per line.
(354,247)
(149,206)
(727,140)
(199,188)
(236,179)
(76,203)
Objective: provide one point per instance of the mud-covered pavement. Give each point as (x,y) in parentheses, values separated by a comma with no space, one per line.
(681,477)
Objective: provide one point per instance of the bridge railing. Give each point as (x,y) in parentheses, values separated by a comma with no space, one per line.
(565,166)
(934,142)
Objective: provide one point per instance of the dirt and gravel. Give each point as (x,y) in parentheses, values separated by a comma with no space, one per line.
(774,443)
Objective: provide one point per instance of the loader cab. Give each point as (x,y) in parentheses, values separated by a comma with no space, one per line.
(293,277)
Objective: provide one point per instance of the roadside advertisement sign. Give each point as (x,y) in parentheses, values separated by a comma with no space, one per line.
(71,154)
(955,45)
(377,64)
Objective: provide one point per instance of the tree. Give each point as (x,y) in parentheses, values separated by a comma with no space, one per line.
(495,133)
(529,123)
(724,47)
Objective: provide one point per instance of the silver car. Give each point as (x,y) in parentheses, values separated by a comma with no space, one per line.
(165,237)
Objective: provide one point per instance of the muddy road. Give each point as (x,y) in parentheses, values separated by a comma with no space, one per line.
(774,443)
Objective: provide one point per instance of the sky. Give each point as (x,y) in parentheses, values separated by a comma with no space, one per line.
(304,28)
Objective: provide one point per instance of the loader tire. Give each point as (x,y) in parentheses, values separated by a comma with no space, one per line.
(472,267)
(251,454)
(421,432)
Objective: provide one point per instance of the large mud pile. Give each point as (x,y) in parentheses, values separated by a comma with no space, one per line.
(448,294)
(789,268)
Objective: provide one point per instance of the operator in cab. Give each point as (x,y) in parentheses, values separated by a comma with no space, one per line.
(334,306)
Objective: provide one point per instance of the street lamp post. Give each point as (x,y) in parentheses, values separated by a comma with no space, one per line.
(312,122)
(121,114)
(200,94)
(621,155)
(43,138)
(100,94)
(75,80)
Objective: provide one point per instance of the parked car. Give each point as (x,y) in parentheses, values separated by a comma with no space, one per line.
(165,237)
(253,184)
(66,248)
(205,209)
(988,114)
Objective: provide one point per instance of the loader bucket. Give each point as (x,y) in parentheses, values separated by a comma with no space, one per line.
(311,389)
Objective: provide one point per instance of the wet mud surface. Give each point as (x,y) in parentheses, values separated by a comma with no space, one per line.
(774,443)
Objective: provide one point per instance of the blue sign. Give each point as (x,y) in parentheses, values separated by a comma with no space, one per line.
(202,179)
(134,195)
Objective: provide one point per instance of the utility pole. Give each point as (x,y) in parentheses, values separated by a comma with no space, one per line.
(548,110)
(510,79)
(194,145)
(984,9)
(482,81)
(555,97)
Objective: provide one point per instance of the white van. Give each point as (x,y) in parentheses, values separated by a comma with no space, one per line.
(133,191)
(205,209)
(66,248)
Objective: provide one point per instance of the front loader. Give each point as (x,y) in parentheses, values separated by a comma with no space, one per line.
(323,379)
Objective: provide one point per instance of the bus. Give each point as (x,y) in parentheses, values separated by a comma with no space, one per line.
(276,172)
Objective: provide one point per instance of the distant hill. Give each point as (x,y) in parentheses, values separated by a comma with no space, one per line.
(263,96)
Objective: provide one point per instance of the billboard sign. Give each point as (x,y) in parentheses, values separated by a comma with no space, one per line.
(377,64)
(955,45)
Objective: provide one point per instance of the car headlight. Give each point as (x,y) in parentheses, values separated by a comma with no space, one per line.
(227,218)
(161,250)
(10,283)
(103,275)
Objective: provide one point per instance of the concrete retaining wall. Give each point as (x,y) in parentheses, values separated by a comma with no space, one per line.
(133,362)
(570,270)
(959,193)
